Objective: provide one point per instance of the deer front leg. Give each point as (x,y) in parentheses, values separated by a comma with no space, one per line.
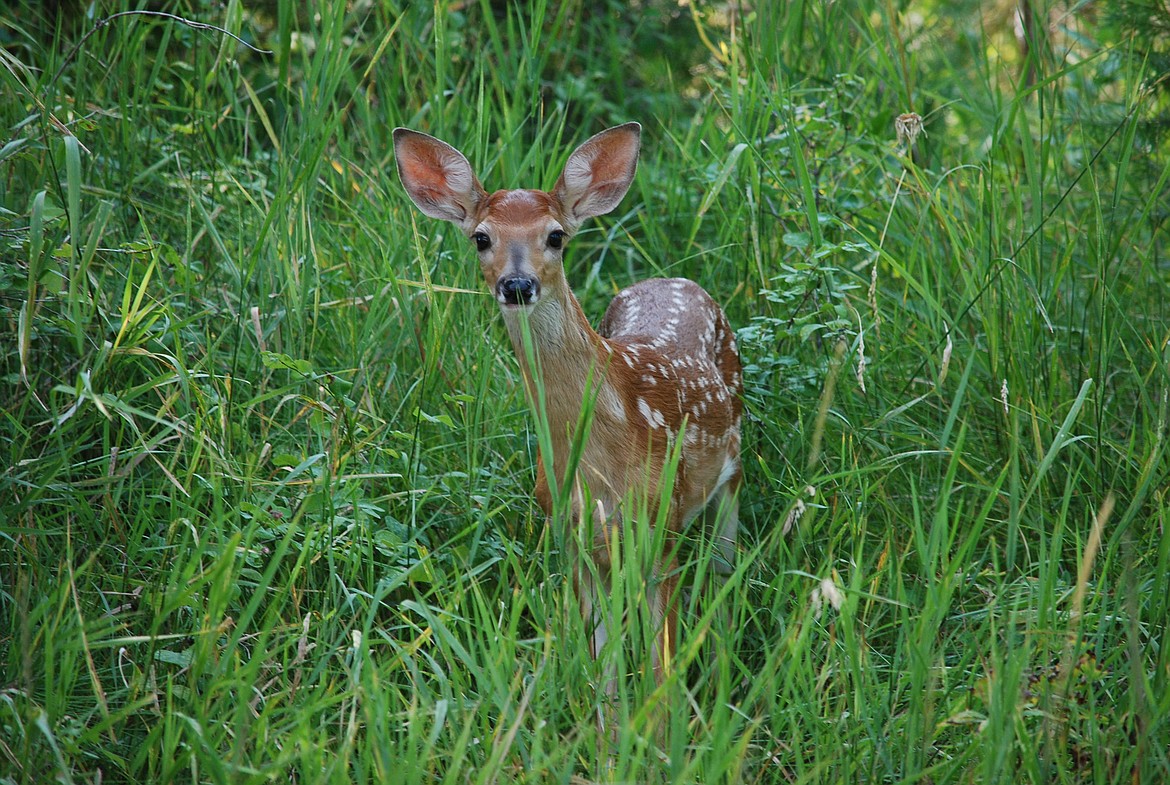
(663,602)
(592,584)
(542,493)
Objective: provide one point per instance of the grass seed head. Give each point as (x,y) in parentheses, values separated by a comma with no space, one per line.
(908,127)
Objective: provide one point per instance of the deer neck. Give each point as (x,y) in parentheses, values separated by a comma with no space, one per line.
(569,358)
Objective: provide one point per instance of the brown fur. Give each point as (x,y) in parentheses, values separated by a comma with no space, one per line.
(663,364)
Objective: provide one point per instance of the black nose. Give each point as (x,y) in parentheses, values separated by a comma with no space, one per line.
(517,290)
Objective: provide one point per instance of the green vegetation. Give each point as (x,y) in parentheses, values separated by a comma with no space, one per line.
(265,511)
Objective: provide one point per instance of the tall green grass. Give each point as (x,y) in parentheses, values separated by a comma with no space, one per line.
(266,514)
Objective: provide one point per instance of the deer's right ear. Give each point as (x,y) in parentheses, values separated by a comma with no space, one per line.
(437,178)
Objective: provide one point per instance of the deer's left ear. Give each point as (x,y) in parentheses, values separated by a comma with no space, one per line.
(437,177)
(598,173)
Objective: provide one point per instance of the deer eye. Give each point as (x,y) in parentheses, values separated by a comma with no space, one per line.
(482,241)
(556,238)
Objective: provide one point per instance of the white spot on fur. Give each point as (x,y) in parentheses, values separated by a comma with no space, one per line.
(730,465)
(653,417)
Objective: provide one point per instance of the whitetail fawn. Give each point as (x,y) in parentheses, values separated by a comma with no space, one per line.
(663,365)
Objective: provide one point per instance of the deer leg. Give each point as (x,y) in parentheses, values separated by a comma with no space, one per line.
(664,601)
(592,588)
(722,515)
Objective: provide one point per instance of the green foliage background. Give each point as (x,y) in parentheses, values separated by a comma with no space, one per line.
(265,513)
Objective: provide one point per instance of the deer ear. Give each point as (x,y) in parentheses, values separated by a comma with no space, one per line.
(598,173)
(437,177)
